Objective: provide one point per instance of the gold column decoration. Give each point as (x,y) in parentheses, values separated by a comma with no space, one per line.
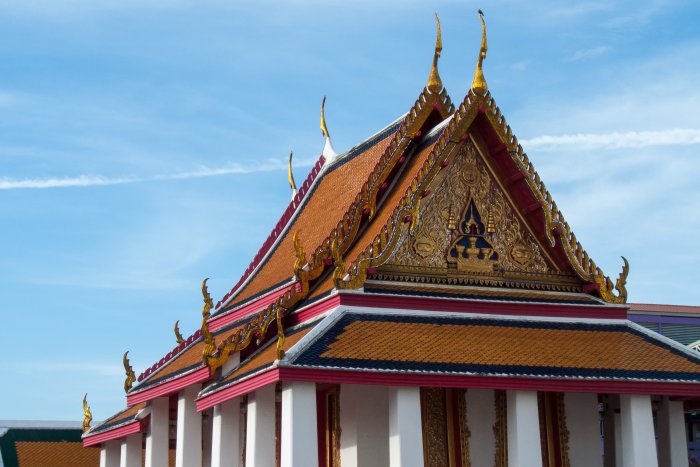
(130,376)
(479,83)
(290,174)
(324,128)
(299,253)
(280,334)
(178,336)
(87,414)
(209,342)
(563,431)
(500,429)
(338,263)
(434,81)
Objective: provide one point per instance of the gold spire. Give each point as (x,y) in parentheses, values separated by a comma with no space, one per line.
(208,304)
(290,174)
(324,128)
(87,414)
(130,375)
(178,336)
(434,81)
(479,84)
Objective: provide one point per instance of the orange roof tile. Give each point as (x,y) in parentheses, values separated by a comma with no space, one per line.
(498,346)
(652,308)
(56,454)
(119,418)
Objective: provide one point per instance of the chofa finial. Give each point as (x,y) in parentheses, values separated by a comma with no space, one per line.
(434,81)
(87,414)
(479,84)
(290,174)
(130,375)
(328,152)
(178,336)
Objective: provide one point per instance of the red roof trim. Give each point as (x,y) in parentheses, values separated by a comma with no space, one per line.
(235,390)
(167,388)
(218,322)
(135,426)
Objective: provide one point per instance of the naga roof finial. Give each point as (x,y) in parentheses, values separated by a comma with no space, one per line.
(328,152)
(479,84)
(434,81)
(178,336)
(130,375)
(87,414)
(290,175)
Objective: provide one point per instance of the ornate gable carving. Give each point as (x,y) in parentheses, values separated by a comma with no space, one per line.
(470,233)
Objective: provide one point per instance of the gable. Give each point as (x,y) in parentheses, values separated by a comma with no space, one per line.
(470,232)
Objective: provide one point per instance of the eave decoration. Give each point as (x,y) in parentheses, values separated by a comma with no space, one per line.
(178,336)
(87,415)
(130,375)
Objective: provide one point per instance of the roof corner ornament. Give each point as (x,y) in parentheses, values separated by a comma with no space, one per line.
(290,175)
(87,415)
(178,336)
(130,376)
(299,253)
(479,83)
(280,334)
(209,342)
(434,81)
(339,271)
(328,152)
(606,286)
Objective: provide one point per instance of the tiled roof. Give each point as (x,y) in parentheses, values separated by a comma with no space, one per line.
(498,347)
(333,192)
(56,454)
(120,418)
(653,308)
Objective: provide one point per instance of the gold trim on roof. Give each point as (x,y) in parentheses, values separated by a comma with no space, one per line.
(178,336)
(479,83)
(324,128)
(130,376)
(209,342)
(87,415)
(280,334)
(290,174)
(434,81)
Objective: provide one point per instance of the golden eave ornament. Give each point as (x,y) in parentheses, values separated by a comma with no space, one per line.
(130,375)
(290,175)
(328,152)
(434,81)
(87,414)
(479,84)
(178,336)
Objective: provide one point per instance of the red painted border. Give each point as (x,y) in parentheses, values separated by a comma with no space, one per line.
(314,310)
(267,377)
(253,307)
(130,428)
(167,388)
(469,306)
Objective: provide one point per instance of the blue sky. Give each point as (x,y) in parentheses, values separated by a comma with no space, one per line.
(143,147)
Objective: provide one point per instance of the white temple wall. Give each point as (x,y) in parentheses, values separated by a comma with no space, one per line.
(207,427)
(364,422)
(225,443)
(583,423)
(157,437)
(405,427)
(109,454)
(637,431)
(299,425)
(524,449)
(260,430)
(188,443)
(481,416)
(673,449)
(131,450)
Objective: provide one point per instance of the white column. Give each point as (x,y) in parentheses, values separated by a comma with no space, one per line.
(364,422)
(405,428)
(524,449)
(583,423)
(299,429)
(188,444)
(157,438)
(673,448)
(637,427)
(131,450)
(225,447)
(481,416)
(260,431)
(207,423)
(109,454)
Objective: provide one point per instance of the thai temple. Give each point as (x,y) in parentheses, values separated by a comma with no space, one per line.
(421,302)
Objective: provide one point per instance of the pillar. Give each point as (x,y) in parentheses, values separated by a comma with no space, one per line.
(109,454)
(364,421)
(481,416)
(157,437)
(524,449)
(583,423)
(299,425)
(188,444)
(637,431)
(405,427)
(207,425)
(131,450)
(225,445)
(260,430)
(673,447)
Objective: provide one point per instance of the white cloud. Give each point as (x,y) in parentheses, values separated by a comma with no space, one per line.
(627,139)
(588,54)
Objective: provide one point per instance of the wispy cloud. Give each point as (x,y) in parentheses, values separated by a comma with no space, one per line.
(627,139)
(588,54)
(99,180)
